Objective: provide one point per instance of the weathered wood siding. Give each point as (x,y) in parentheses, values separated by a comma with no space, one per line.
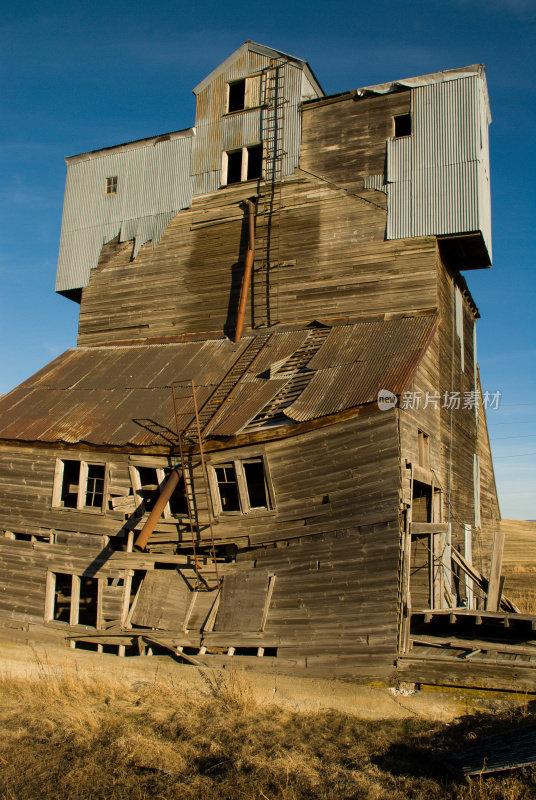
(453,433)
(334,262)
(344,140)
(334,602)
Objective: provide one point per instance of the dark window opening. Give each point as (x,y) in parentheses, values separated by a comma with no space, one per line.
(111,185)
(95,485)
(237,95)
(234,166)
(254,162)
(422,502)
(177,502)
(228,487)
(62,597)
(149,486)
(402,125)
(88,604)
(255,482)
(69,486)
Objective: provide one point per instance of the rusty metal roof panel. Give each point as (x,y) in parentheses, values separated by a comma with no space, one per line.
(282,346)
(122,395)
(249,399)
(368,339)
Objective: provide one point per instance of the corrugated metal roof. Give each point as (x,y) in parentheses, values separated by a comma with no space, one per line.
(121,396)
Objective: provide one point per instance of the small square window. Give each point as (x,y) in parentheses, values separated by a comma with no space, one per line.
(402,125)
(111,185)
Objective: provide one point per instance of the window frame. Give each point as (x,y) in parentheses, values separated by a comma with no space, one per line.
(400,116)
(161,476)
(110,186)
(243,166)
(252,93)
(74,610)
(242,485)
(59,471)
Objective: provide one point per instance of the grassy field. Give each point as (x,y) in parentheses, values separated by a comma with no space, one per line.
(82,739)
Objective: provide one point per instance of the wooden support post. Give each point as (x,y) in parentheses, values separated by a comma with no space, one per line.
(495,572)
(468,555)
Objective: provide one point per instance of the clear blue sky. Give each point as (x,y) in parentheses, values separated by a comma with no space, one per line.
(77,77)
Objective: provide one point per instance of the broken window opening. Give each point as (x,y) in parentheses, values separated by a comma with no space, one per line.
(178,504)
(228,487)
(255,483)
(111,185)
(422,502)
(241,165)
(69,486)
(402,125)
(62,598)
(88,602)
(240,486)
(95,485)
(237,95)
(254,167)
(79,485)
(72,599)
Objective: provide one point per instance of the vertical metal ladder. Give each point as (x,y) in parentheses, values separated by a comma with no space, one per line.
(267,247)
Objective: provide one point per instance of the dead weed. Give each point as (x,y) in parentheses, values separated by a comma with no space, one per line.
(91,739)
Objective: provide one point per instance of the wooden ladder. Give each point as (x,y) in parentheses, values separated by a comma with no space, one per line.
(269,205)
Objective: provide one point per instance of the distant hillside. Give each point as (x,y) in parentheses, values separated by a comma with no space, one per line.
(519,563)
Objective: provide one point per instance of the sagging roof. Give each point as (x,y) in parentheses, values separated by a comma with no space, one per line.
(120,396)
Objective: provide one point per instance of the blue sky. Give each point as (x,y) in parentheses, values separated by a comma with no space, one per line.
(79,77)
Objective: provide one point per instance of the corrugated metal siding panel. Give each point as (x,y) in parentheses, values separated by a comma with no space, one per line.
(445,200)
(216,132)
(399,159)
(438,176)
(375,182)
(292,130)
(153,185)
(399,210)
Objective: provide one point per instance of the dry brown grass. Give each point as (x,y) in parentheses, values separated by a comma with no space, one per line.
(90,739)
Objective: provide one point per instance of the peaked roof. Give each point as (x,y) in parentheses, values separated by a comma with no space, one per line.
(263,50)
(122,396)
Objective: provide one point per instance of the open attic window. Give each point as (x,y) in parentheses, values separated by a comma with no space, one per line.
(236,100)
(243,94)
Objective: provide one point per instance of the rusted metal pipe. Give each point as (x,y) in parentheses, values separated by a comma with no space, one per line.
(246,280)
(156,513)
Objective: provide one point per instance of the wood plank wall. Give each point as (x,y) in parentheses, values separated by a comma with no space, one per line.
(334,260)
(453,437)
(344,140)
(335,600)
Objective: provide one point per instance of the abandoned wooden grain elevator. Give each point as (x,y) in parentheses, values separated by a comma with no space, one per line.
(270,441)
